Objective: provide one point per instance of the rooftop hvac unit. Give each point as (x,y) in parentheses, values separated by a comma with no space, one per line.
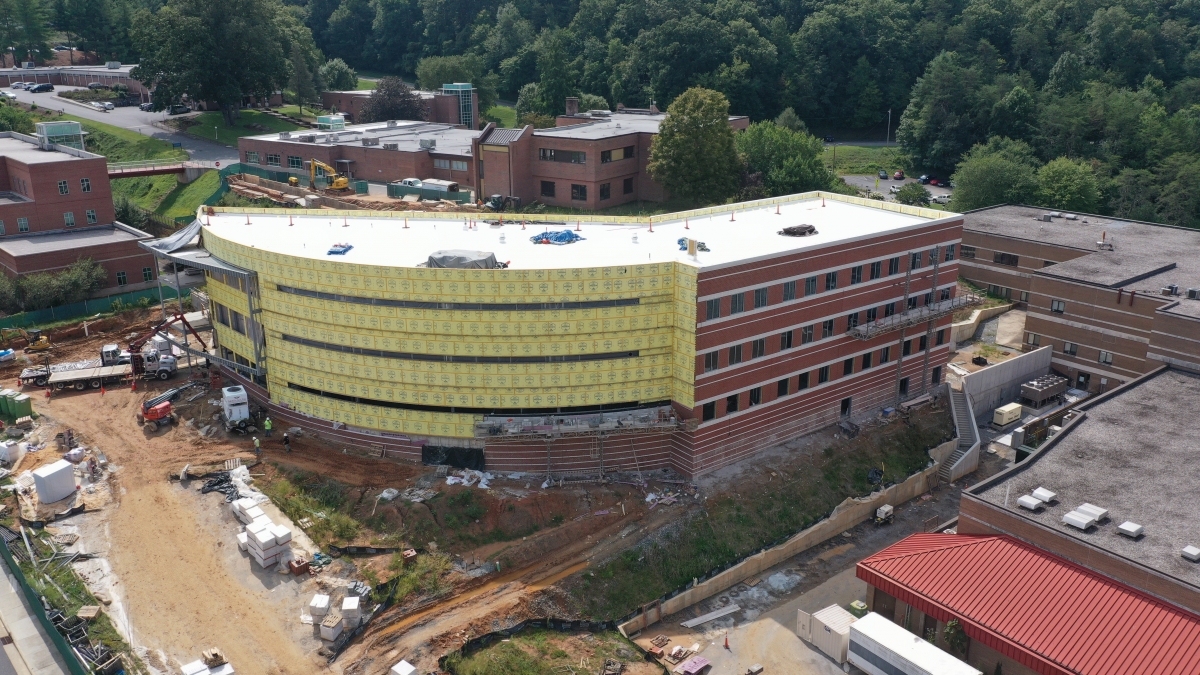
(1079,520)
(112,65)
(285,135)
(1131,529)
(333,138)
(1070,216)
(1031,503)
(391,123)
(1045,218)
(1194,294)
(428,143)
(309,138)
(1056,214)
(1093,511)
(1165,290)
(599,113)
(1044,495)
(1191,553)
(28,64)
(391,146)
(370,142)
(1174,288)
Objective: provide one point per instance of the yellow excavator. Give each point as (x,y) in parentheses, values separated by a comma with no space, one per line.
(337,182)
(37,341)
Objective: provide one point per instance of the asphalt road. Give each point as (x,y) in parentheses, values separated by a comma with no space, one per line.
(133,119)
(869,182)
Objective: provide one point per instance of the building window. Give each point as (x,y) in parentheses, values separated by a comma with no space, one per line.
(121,279)
(785,340)
(912,302)
(568,156)
(456,165)
(760,297)
(851,320)
(999,291)
(1033,339)
(885,355)
(846,402)
(85,184)
(928,299)
(949,252)
(1058,306)
(923,343)
(1,227)
(578,192)
(605,191)
(711,361)
(823,375)
(69,218)
(1005,259)
(90,214)
(781,388)
(941,337)
(945,294)
(1070,348)
(856,275)
(789,290)
(937,375)
(712,309)
(827,328)
(914,261)
(1024,296)
(906,348)
(62,187)
(547,188)
(295,162)
(830,281)
(872,314)
(848,367)
(147,274)
(22,224)
(731,404)
(222,314)
(894,266)
(889,309)
(806,335)
(755,396)
(735,354)
(441,164)
(627,186)
(480,165)
(877,269)
(758,348)
(709,411)
(737,303)
(272,160)
(803,382)
(866,360)
(607,156)
(810,286)
(1105,358)
(967,252)
(904,387)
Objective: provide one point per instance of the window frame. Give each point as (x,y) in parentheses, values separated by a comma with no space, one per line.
(627,186)
(758,348)
(298,162)
(712,309)
(822,374)
(252,157)
(1006,259)
(737,303)
(122,278)
(786,340)
(830,281)
(866,360)
(789,290)
(64,187)
(147,274)
(459,165)
(807,333)
(783,387)
(277,159)
(22,224)
(856,275)
(90,216)
(827,328)
(605,191)
(893,266)
(1104,357)
(68,219)
(551,193)
(876,270)
(1070,348)
(760,298)
(562,156)
(578,192)
(735,355)
(755,397)
(810,286)
(712,361)
(1058,306)
(848,367)
(966,252)
(85,185)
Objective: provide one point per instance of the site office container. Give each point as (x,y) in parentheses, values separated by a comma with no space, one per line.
(880,647)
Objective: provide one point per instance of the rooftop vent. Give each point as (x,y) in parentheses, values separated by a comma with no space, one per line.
(1131,529)
(428,143)
(391,123)
(599,113)
(1079,520)
(1045,218)
(308,138)
(1194,294)
(1056,214)
(1069,216)
(391,146)
(1044,495)
(1092,510)
(284,135)
(1191,553)
(1031,503)
(798,231)
(368,142)
(333,138)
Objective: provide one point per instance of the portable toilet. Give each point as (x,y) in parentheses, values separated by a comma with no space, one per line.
(7,403)
(22,406)
(4,409)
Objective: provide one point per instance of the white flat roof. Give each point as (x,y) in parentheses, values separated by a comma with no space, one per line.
(29,153)
(380,239)
(909,646)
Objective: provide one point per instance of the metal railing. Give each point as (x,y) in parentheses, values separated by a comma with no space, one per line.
(156,163)
(914,317)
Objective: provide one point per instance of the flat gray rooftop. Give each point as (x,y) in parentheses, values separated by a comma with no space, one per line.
(1134,454)
(407,135)
(31,244)
(1145,257)
(617,124)
(29,153)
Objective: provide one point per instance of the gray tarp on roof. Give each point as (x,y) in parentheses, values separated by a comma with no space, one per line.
(459,259)
(176,241)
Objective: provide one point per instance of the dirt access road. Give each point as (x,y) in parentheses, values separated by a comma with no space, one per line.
(176,590)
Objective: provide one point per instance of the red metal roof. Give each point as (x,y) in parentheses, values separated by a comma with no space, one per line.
(1040,610)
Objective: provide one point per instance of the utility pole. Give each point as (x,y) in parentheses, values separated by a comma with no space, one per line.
(887,136)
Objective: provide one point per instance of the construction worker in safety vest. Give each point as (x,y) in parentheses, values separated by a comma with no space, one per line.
(257,448)
(267,426)
(287,442)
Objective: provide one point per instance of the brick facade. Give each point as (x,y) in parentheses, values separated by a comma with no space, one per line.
(440,108)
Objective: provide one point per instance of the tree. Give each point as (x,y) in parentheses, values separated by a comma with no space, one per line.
(1001,172)
(211,51)
(557,80)
(592,102)
(302,79)
(392,99)
(941,121)
(693,156)
(1068,185)
(1066,77)
(868,99)
(529,100)
(1015,115)
(434,71)
(788,161)
(913,194)
(788,119)
(31,33)
(336,75)
(75,283)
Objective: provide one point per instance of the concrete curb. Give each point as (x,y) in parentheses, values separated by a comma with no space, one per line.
(81,105)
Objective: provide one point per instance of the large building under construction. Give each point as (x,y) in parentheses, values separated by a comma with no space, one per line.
(688,340)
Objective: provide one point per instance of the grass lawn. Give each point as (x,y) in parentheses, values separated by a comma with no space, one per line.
(185,199)
(204,128)
(852,160)
(365,84)
(506,115)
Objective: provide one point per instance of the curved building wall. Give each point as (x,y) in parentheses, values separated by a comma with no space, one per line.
(427,352)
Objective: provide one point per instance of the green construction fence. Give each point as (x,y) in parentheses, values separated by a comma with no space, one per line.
(85,308)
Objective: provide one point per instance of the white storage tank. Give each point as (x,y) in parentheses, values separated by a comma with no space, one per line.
(54,481)
(880,647)
(831,631)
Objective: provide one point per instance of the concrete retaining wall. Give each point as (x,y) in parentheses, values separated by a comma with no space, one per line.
(965,330)
(996,385)
(849,513)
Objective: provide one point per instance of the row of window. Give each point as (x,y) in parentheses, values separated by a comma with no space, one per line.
(147,275)
(580,192)
(85,184)
(68,221)
(758,348)
(230,317)
(578,157)
(1006,259)
(451,164)
(785,387)
(20,186)
(1070,349)
(737,301)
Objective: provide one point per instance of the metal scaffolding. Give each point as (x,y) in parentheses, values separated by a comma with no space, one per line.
(914,317)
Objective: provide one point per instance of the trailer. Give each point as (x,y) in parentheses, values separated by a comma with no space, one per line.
(89,377)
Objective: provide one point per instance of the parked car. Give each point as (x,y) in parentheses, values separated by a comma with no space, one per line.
(97,85)
(178,109)
(97,105)
(829,139)
(18,85)
(899,175)
(40,88)
(941,199)
(62,48)
(894,189)
(145,107)
(882,175)
(107,105)
(935,181)
(923,180)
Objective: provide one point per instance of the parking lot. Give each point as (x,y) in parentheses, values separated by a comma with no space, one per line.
(876,184)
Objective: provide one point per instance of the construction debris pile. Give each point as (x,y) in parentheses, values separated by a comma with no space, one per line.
(212,663)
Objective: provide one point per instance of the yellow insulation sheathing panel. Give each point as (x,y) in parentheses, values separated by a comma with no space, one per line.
(661,328)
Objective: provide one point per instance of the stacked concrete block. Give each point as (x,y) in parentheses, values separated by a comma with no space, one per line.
(198,667)
(331,627)
(243,541)
(318,607)
(350,615)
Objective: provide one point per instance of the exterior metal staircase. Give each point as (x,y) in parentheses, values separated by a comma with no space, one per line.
(968,439)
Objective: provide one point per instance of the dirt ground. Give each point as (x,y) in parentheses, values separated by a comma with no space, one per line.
(540,652)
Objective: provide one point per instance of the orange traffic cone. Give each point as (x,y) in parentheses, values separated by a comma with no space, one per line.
(727,641)
(133,384)
(101,390)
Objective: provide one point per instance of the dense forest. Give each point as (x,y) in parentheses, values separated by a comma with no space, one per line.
(1110,86)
